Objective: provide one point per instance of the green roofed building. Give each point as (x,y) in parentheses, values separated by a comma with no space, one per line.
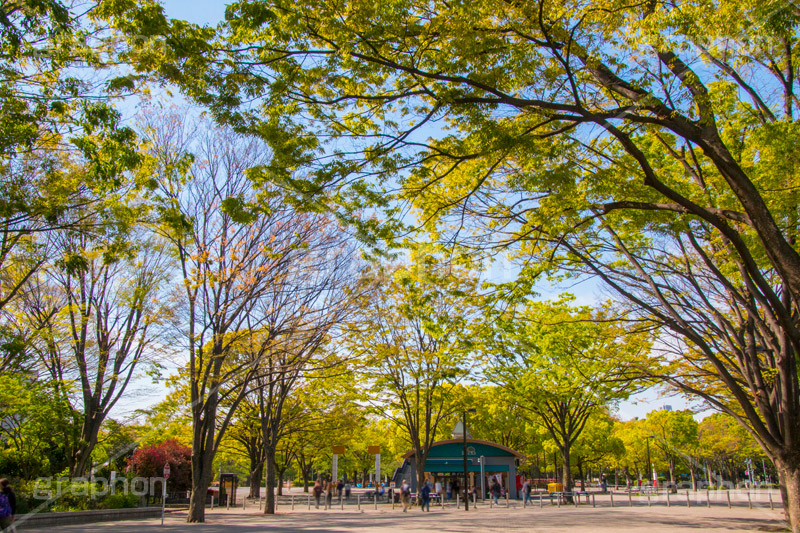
(445,464)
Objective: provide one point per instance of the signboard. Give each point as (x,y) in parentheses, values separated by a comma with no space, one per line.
(338,450)
(373,449)
(166,471)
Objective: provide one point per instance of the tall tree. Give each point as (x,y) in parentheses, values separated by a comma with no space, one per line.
(651,145)
(412,340)
(563,366)
(94,313)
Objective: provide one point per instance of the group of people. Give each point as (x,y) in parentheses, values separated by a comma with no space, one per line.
(331,488)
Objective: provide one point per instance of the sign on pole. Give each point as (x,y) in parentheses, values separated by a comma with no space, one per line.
(377,451)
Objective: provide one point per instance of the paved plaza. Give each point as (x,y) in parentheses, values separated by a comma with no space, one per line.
(585,518)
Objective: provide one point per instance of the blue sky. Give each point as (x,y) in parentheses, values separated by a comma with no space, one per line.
(196,11)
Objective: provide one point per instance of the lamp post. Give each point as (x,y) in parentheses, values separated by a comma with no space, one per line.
(649,464)
(466,478)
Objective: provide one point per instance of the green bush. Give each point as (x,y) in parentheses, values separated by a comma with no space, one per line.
(119,501)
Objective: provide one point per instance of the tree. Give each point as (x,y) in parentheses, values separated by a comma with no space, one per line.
(412,341)
(37,429)
(648,145)
(675,435)
(149,461)
(563,365)
(93,311)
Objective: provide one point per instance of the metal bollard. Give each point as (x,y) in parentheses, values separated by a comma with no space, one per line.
(749,501)
(576,499)
(458,503)
(507,506)
(292,502)
(276,502)
(648,499)
(358,501)
(309,501)
(708,498)
(375,501)
(212,501)
(541,500)
(341,504)
(593,505)
(630,500)
(558,501)
(728,493)
(771,507)
(668,498)
(612,499)
(244,503)
(688,503)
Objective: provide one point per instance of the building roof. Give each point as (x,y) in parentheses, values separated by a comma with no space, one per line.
(451,448)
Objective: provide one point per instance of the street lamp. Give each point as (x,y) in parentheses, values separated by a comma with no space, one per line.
(649,464)
(466,478)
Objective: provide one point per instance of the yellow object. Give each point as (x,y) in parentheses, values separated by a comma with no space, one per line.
(555,487)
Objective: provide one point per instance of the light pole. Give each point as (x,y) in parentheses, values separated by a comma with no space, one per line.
(649,464)
(466,478)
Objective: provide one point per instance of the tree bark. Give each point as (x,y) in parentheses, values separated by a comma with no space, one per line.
(269,508)
(789,475)
(256,475)
(566,472)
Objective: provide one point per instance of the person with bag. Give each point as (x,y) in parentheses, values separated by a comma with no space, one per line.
(317,491)
(425,493)
(405,495)
(8,506)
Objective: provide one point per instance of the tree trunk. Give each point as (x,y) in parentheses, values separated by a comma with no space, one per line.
(87,443)
(306,474)
(580,475)
(693,474)
(566,472)
(269,508)
(256,475)
(280,480)
(789,477)
(202,473)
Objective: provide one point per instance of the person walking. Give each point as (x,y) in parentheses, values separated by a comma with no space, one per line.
(425,493)
(496,490)
(347,489)
(526,491)
(405,495)
(317,491)
(340,490)
(449,490)
(8,506)
(329,488)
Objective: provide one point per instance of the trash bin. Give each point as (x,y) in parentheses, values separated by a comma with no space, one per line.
(555,487)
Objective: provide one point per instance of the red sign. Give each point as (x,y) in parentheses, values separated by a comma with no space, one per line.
(166,471)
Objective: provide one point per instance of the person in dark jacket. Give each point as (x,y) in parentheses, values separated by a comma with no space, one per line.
(425,492)
(8,506)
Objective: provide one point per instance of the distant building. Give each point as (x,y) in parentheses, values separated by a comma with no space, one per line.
(666,407)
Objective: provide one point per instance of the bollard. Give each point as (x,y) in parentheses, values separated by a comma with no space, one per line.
(708,499)
(507,500)
(541,499)
(688,503)
(612,499)
(244,503)
(292,502)
(728,493)
(212,501)
(309,501)
(341,503)
(771,508)
(276,502)
(358,501)
(593,505)
(630,500)
(558,501)
(524,502)
(227,502)
(375,501)
(441,500)
(668,498)
(491,502)
(576,499)
(458,503)
(648,499)
(749,502)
